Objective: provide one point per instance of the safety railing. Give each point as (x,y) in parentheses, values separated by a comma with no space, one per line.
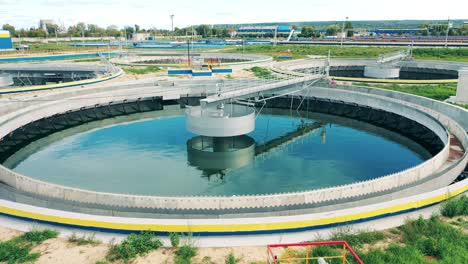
(309,252)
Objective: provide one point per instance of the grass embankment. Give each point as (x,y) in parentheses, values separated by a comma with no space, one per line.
(301,51)
(261,72)
(140,70)
(436,91)
(18,249)
(439,92)
(433,241)
(55,48)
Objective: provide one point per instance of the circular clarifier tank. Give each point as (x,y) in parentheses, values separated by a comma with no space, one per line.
(155,155)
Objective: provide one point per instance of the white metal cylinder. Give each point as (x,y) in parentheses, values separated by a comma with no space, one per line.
(382,72)
(232,120)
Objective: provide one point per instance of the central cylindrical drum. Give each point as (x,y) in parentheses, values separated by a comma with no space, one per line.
(382,72)
(6,80)
(220,121)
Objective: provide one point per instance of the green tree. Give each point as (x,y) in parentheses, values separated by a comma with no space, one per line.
(51,28)
(349,29)
(137,28)
(225,33)
(9,28)
(332,30)
(203,30)
(307,32)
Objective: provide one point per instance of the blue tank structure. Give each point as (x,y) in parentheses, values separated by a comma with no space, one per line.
(204,71)
(5,40)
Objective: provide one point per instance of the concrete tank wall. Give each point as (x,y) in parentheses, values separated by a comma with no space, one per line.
(5,80)
(462,88)
(414,174)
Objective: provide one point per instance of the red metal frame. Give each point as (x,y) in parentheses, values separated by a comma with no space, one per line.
(321,243)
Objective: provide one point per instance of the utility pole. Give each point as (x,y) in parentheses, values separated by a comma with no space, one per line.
(172,25)
(188,53)
(56,38)
(447,32)
(342,32)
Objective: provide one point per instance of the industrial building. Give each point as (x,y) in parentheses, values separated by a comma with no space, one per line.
(5,40)
(264,31)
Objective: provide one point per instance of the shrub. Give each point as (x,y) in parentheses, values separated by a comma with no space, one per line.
(15,251)
(360,238)
(429,247)
(455,207)
(175,239)
(134,245)
(231,259)
(261,72)
(83,240)
(37,235)
(184,254)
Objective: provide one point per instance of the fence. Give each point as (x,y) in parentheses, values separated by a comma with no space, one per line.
(313,252)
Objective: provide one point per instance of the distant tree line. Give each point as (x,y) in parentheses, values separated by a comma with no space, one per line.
(206,31)
(81,30)
(441,30)
(92,30)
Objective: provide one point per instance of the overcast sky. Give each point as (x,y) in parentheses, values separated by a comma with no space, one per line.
(155,13)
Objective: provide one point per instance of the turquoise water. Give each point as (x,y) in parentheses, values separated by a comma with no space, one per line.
(149,157)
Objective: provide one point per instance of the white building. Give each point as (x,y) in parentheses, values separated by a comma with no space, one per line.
(140,36)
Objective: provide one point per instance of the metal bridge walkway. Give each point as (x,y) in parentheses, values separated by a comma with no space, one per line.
(258,87)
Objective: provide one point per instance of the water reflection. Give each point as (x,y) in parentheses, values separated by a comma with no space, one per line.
(148,155)
(216,156)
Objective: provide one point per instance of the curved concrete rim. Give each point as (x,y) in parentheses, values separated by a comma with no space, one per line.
(382,183)
(251,59)
(290,68)
(273,229)
(34,88)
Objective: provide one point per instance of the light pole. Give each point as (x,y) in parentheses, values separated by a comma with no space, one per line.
(342,32)
(447,32)
(172,24)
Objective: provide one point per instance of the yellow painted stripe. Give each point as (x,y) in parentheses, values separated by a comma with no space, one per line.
(394,80)
(246,62)
(154,64)
(58,85)
(233,227)
(4,35)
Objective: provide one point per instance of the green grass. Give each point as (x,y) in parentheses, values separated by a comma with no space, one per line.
(455,207)
(141,70)
(84,240)
(134,245)
(18,249)
(423,241)
(39,235)
(175,239)
(437,91)
(261,72)
(461,105)
(301,51)
(455,54)
(360,238)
